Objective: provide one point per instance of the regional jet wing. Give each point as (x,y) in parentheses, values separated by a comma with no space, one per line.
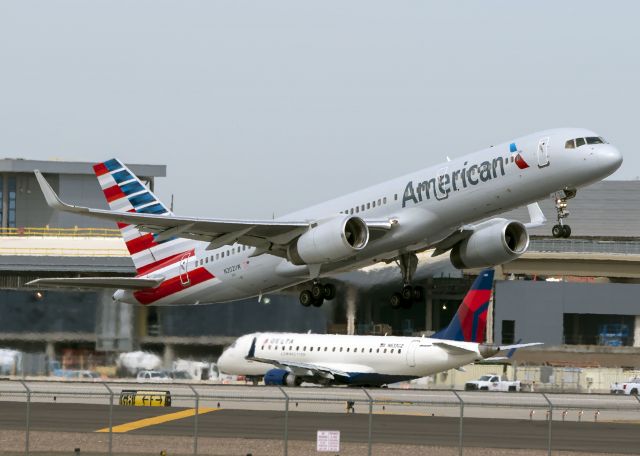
(124,283)
(302,369)
(263,234)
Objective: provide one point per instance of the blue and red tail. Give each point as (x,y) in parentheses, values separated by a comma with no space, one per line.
(470,321)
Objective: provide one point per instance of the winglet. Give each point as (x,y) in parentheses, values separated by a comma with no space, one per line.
(252,350)
(50,196)
(536,216)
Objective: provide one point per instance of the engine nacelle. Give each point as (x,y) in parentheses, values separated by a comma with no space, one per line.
(493,242)
(329,240)
(281,377)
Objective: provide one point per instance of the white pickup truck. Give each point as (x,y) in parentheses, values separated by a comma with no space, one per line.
(492,382)
(632,386)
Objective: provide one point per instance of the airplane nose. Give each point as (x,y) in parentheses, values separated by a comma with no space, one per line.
(223,361)
(610,158)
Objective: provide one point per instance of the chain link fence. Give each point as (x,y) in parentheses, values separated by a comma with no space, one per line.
(103,418)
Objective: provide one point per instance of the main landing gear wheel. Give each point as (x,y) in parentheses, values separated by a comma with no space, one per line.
(317,295)
(408,264)
(561,230)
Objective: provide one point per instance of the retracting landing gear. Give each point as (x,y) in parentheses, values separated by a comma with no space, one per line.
(408,263)
(318,293)
(561,230)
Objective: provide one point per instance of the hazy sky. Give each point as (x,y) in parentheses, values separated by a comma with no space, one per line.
(267,106)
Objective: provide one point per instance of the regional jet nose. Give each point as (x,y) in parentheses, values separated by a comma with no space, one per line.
(609,158)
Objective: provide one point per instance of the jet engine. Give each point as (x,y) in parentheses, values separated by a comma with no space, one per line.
(493,242)
(329,240)
(281,377)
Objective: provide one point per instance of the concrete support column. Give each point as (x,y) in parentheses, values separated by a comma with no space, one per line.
(351,296)
(168,356)
(636,332)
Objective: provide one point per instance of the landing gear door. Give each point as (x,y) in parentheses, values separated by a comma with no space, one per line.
(543,152)
(411,352)
(184,270)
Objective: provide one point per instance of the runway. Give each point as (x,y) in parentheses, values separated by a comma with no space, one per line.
(268,424)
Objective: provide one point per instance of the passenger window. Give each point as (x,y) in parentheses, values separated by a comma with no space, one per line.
(373,204)
(227,253)
(580,142)
(333,349)
(298,348)
(595,140)
(377,350)
(370,350)
(310,349)
(570,144)
(392,350)
(357,209)
(233,251)
(341,349)
(325,348)
(222,255)
(304,349)
(217,257)
(368,205)
(206,260)
(385,350)
(362,207)
(384,200)
(290,347)
(379,202)
(395,197)
(399,350)
(348,349)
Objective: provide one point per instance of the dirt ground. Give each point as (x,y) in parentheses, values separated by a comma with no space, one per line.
(65,443)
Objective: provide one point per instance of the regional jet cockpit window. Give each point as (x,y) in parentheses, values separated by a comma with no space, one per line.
(573,143)
(595,140)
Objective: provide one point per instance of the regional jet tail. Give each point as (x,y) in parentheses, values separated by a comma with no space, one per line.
(451,207)
(290,359)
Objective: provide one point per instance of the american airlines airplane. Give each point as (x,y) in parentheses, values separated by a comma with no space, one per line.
(290,359)
(448,207)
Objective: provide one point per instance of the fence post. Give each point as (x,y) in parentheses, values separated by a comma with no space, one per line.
(286,420)
(110,418)
(460,430)
(26,443)
(550,422)
(195,420)
(369,436)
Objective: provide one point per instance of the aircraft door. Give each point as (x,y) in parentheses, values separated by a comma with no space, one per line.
(543,152)
(184,270)
(411,352)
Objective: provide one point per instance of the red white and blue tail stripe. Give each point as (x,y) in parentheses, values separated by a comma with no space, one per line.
(125,192)
(469,324)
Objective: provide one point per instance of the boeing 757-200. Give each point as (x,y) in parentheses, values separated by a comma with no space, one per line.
(448,207)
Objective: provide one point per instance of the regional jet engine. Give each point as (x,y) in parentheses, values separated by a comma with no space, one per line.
(329,240)
(493,242)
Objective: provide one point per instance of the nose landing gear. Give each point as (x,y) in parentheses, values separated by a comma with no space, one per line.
(561,230)
(318,293)
(408,263)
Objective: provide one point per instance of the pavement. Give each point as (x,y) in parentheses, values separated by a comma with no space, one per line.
(268,425)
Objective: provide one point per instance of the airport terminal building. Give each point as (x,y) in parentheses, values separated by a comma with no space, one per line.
(576,294)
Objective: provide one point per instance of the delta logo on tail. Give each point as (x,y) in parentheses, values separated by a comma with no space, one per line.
(520,163)
(470,321)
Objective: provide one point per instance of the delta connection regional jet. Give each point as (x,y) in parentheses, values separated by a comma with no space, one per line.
(328,359)
(448,207)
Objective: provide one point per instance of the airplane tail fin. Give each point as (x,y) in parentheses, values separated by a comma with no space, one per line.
(470,321)
(125,192)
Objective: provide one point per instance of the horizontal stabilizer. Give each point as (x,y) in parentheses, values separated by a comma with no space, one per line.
(124,283)
(516,346)
(453,349)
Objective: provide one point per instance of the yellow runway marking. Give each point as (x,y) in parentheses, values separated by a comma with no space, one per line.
(126,427)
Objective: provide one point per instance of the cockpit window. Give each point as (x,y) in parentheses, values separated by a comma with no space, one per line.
(580,142)
(570,144)
(595,140)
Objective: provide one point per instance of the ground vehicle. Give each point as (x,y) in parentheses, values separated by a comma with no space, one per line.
(149,376)
(492,382)
(632,386)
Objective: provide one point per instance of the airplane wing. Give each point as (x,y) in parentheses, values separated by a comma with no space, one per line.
(125,283)
(263,234)
(307,369)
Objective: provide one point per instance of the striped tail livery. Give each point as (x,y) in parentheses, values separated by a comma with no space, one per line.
(126,193)
(470,321)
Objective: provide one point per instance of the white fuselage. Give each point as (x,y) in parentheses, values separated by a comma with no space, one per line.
(369,360)
(428,205)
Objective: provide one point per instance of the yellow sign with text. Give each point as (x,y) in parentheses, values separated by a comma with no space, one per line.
(141,398)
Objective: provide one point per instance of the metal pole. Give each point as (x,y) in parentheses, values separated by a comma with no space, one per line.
(460,433)
(26,443)
(195,421)
(286,421)
(550,422)
(110,418)
(369,436)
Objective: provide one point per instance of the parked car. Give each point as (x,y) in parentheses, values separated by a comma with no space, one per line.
(492,382)
(632,386)
(149,376)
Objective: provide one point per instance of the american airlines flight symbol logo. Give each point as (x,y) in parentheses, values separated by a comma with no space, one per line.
(519,161)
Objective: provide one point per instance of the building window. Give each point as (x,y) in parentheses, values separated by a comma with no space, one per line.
(508,331)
